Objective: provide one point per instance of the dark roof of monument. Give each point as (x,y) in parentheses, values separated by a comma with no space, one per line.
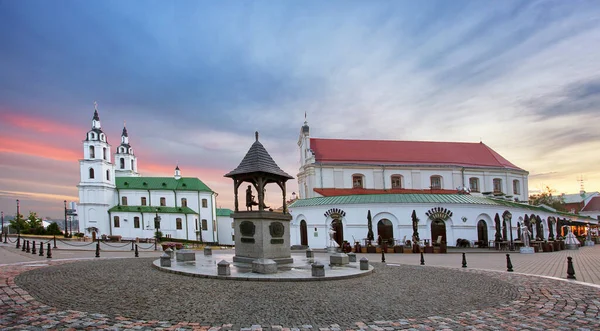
(258,160)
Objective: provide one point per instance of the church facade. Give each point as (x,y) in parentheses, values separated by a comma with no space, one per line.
(114,199)
(457,191)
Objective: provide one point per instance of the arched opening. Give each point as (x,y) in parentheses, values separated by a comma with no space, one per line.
(122,161)
(336,225)
(438,228)
(104,155)
(92,173)
(385,230)
(482,233)
(92,152)
(303,233)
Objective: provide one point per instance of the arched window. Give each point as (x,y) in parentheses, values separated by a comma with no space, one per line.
(358,181)
(516,187)
(102,138)
(397,181)
(104,153)
(143,201)
(497,185)
(178,223)
(132,165)
(436,182)
(204,203)
(183,202)
(117,222)
(124,201)
(107,174)
(163,201)
(136,222)
(122,163)
(91,173)
(92,152)
(474,184)
(204,225)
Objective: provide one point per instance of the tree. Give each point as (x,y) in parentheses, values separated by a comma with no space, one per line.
(546,198)
(53,229)
(35,224)
(19,224)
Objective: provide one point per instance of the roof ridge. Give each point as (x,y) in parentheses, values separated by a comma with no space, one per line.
(394,140)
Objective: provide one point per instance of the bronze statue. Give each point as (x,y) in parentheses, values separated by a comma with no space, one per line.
(250,199)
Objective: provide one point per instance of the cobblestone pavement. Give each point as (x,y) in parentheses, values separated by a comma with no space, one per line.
(395,297)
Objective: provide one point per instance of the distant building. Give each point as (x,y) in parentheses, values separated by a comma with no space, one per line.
(455,189)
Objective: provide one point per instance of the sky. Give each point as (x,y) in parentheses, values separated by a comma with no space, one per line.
(193,80)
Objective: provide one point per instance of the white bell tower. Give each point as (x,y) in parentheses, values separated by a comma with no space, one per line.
(125,160)
(307,160)
(97,179)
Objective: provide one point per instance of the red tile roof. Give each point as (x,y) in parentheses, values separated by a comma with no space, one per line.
(333,192)
(593,205)
(407,152)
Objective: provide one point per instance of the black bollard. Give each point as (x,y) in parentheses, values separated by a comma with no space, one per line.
(136,251)
(49,252)
(18,240)
(41,248)
(132,245)
(570,269)
(464,261)
(382,256)
(54,242)
(28,250)
(508,263)
(98,249)
(24,245)
(33,251)
(422,259)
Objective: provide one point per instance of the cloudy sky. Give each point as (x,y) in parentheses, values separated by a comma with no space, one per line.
(193,80)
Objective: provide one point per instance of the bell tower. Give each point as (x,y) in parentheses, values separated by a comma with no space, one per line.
(307,160)
(97,179)
(125,160)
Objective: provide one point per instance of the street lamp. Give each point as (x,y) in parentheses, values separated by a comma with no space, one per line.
(18,218)
(1,233)
(66,228)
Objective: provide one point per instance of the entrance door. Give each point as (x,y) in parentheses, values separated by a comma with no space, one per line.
(303,233)
(339,231)
(385,230)
(482,233)
(438,228)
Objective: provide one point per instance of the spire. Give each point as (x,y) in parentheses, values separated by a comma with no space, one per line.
(305,128)
(177,172)
(96,117)
(124,134)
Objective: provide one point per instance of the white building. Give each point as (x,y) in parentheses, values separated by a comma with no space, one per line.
(116,200)
(456,190)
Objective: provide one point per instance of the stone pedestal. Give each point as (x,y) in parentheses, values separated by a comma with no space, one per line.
(169,252)
(207,251)
(332,249)
(310,254)
(526,250)
(318,270)
(165,260)
(185,255)
(262,235)
(223,268)
(364,264)
(572,246)
(589,243)
(351,257)
(264,266)
(339,259)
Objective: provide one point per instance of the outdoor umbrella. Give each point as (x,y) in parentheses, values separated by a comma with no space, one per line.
(530,225)
(550,229)
(415,224)
(538,227)
(497,221)
(526,224)
(370,235)
(518,231)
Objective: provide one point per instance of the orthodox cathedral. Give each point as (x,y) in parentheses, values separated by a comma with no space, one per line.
(115,200)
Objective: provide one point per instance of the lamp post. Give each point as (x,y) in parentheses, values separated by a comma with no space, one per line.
(512,245)
(1,233)
(66,228)
(18,218)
